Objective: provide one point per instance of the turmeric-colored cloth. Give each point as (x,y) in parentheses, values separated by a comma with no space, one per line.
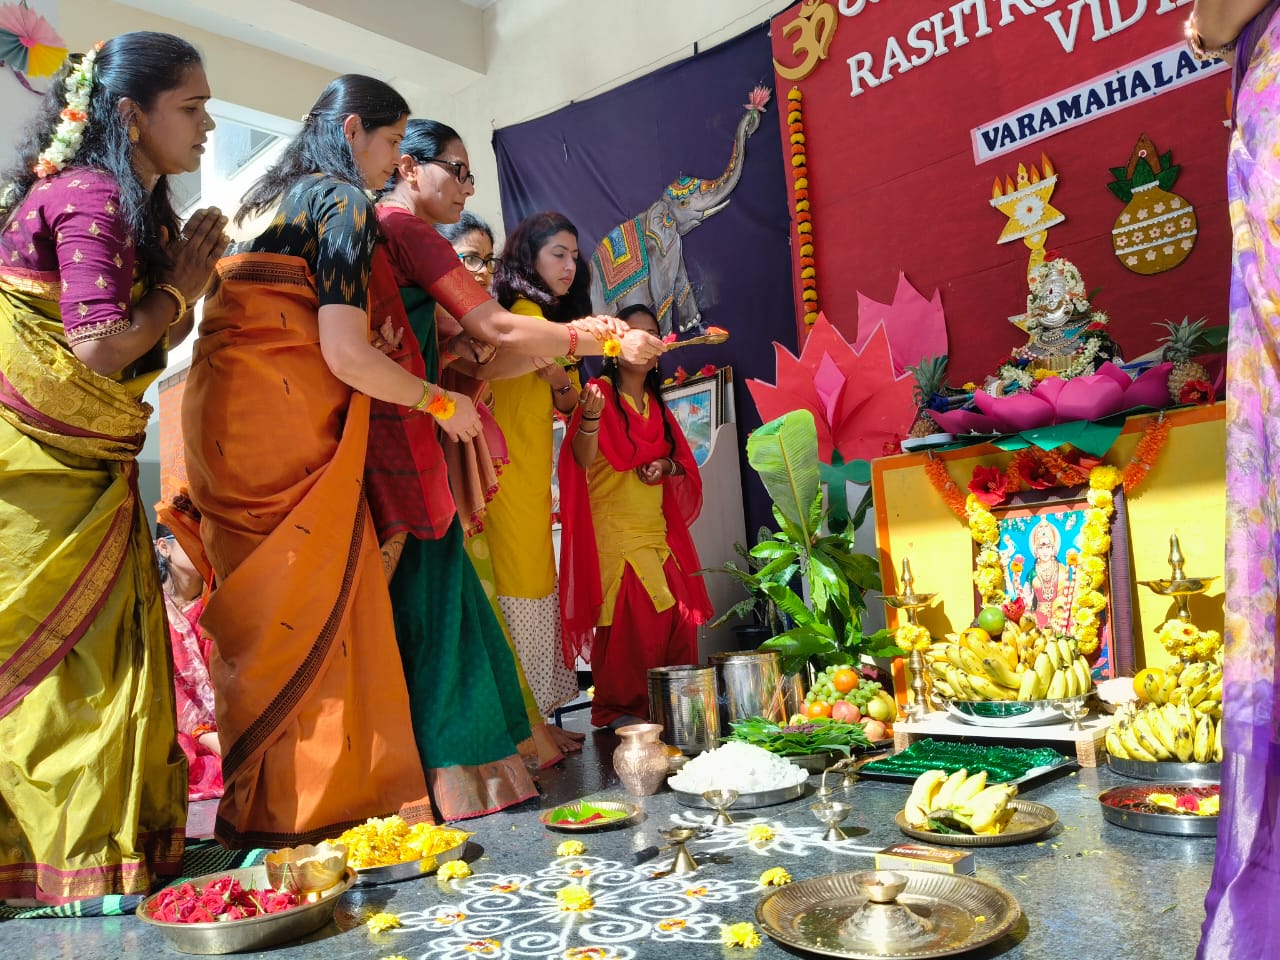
(93,785)
(313,712)
(628,564)
(518,527)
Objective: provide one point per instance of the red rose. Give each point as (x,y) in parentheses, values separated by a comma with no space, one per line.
(1096,325)
(989,485)
(214,902)
(1014,609)
(1196,391)
(236,912)
(1188,802)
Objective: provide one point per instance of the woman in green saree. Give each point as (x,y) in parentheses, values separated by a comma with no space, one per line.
(95,283)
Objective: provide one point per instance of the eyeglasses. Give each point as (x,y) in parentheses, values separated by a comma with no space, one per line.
(460,170)
(473,261)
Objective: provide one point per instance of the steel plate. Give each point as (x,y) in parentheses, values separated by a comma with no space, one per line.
(808,915)
(252,933)
(1115,810)
(630,809)
(1030,820)
(1008,713)
(746,801)
(1166,770)
(406,870)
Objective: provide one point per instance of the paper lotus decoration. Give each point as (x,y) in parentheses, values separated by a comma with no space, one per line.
(28,42)
(1053,400)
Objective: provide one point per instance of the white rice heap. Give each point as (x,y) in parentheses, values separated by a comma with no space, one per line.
(737,766)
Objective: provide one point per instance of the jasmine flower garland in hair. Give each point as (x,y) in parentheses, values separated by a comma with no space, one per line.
(69,133)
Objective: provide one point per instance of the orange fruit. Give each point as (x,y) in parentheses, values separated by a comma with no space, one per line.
(819,708)
(1148,678)
(844,680)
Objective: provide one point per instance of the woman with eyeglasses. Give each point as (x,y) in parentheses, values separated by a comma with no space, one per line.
(468,714)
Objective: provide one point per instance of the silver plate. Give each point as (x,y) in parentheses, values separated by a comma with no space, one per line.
(1166,770)
(253,933)
(394,872)
(745,801)
(1030,820)
(1170,824)
(630,809)
(1008,713)
(808,914)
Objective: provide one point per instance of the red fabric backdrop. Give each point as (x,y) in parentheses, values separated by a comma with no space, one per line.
(894,185)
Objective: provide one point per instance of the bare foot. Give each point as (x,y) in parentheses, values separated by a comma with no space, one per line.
(565,740)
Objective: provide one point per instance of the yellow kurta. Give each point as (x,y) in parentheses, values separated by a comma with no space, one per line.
(630,529)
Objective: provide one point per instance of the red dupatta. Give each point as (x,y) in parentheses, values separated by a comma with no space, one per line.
(625,448)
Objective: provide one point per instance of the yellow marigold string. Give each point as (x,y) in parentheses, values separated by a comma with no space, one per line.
(912,636)
(1186,641)
(775,877)
(382,922)
(571,848)
(739,935)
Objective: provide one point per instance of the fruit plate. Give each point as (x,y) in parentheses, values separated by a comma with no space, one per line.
(746,801)
(964,914)
(1030,820)
(251,933)
(630,814)
(1017,765)
(1009,713)
(1127,807)
(1167,770)
(407,869)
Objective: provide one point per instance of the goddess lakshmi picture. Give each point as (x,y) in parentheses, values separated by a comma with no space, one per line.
(1040,555)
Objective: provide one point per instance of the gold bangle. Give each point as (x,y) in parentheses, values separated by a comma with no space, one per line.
(178,298)
(1196,44)
(425,398)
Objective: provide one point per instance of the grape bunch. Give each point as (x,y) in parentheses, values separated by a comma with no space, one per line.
(842,682)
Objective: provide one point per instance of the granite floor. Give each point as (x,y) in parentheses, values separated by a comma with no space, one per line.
(1088,890)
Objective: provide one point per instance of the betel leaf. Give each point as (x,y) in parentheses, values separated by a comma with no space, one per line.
(801,740)
(584,812)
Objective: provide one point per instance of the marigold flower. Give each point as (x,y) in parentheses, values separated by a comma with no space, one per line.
(740,935)
(575,899)
(612,347)
(759,833)
(382,922)
(775,877)
(454,870)
(570,848)
(912,636)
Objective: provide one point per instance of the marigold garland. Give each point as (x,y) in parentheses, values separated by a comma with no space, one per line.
(803,213)
(1186,641)
(912,636)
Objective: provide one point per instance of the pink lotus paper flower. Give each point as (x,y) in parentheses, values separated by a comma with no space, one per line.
(758,99)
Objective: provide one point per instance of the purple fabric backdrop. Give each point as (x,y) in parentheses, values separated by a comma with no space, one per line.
(605,160)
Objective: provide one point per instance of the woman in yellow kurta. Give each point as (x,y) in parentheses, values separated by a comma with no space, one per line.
(93,785)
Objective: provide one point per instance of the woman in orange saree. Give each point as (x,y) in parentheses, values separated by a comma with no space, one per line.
(312,707)
(92,783)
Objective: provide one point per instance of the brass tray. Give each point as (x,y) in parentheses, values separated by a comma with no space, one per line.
(407,869)
(631,810)
(251,933)
(807,915)
(1030,820)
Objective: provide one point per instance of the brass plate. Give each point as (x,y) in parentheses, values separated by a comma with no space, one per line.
(1030,820)
(808,914)
(394,872)
(630,809)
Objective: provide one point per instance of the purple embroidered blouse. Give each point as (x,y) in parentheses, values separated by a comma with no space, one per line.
(70,225)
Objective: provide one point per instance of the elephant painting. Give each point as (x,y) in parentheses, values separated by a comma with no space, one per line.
(642,260)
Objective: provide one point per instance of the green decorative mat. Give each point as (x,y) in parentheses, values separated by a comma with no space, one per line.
(1003,764)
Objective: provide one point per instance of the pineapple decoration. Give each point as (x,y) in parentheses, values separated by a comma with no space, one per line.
(930,388)
(1157,228)
(1183,343)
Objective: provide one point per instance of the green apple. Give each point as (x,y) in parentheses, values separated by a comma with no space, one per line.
(991,619)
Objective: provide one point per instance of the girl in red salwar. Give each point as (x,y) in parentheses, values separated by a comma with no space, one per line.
(629,489)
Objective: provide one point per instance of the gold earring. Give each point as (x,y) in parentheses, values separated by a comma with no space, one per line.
(134,133)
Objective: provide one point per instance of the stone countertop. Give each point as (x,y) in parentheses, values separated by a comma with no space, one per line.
(1089,889)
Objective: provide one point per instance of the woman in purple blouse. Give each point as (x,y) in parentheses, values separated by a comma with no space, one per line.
(96,282)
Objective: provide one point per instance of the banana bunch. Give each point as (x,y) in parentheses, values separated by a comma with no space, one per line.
(961,798)
(1019,666)
(1168,731)
(1198,683)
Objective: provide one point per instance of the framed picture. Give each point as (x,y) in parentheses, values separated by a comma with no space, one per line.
(1040,551)
(696,404)
(558,428)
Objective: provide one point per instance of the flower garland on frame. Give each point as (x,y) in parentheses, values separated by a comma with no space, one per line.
(803,214)
(1041,469)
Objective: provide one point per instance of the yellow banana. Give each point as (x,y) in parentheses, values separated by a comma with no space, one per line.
(1192,674)
(999,671)
(942,799)
(1135,749)
(1083,675)
(1184,733)
(1169,685)
(1058,687)
(970,788)
(1199,692)
(1203,746)
(1044,670)
(1209,708)
(990,690)
(1147,737)
(1114,746)
(920,802)
(987,808)
(1065,651)
(971,663)
(959,681)
(1217,742)
(1151,688)
(944,688)
(1055,655)
(1027,687)
(1162,729)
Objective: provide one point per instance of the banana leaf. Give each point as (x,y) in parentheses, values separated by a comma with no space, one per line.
(831,736)
(785,454)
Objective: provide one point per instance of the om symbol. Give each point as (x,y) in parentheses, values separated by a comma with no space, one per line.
(813,28)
